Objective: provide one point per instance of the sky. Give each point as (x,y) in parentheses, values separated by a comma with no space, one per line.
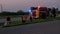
(15,5)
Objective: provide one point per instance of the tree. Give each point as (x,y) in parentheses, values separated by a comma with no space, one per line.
(20,12)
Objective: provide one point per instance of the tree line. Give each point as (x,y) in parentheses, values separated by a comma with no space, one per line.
(20,12)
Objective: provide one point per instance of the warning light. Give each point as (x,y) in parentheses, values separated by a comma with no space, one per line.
(38,7)
(30,10)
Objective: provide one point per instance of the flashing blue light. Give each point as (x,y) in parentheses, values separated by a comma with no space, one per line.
(30,10)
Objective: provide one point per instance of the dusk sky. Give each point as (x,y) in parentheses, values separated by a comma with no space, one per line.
(14,5)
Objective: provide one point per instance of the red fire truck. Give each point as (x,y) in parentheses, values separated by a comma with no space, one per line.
(37,12)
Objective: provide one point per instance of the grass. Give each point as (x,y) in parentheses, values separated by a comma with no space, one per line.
(16,23)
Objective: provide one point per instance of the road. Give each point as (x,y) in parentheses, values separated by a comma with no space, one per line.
(51,27)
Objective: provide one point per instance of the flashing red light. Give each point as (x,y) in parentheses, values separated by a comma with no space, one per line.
(38,7)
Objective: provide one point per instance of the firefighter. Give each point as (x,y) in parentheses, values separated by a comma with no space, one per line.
(49,12)
(54,12)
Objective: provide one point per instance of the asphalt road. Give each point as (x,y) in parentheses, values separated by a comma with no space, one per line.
(51,27)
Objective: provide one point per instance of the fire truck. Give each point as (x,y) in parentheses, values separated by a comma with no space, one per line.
(39,12)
